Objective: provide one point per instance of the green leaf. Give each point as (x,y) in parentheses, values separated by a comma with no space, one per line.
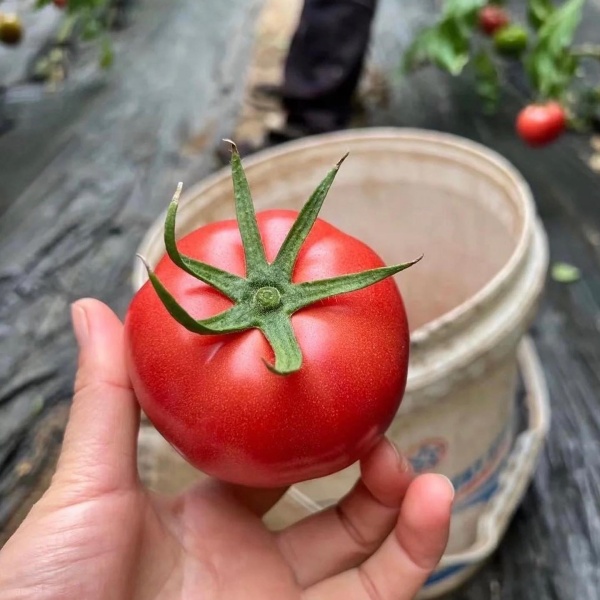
(444,46)
(452,49)
(538,12)
(487,81)
(551,64)
(447,43)
(551,75)
(557,32)
(565,273)
(420,50)
(462,9)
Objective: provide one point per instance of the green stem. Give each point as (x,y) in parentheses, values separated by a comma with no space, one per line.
(268,298)
(280,334)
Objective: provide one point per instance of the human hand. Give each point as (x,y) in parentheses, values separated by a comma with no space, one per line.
(97,534)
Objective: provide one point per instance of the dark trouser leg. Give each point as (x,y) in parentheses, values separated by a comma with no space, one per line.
(324,63)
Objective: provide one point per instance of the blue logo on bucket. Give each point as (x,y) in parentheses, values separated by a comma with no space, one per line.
(430,453)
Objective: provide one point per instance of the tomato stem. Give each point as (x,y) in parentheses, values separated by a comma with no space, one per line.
(280,335)
(266,298)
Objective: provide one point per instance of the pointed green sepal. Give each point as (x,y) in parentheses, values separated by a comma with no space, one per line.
(227,283)
(234,319)
(312,291)
(288,253)
(254,250)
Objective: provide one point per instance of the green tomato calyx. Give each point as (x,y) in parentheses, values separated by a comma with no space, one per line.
(266,298)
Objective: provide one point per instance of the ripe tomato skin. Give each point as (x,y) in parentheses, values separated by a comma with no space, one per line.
(215,401)
(540,124)
(60,3)
(492,18)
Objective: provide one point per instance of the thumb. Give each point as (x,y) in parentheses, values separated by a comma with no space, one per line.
(99,450)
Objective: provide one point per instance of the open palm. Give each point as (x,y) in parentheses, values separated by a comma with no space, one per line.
(98,534)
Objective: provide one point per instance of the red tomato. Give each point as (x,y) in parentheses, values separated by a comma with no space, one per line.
(492,18)
(60,3)
(540,124)
(214,400)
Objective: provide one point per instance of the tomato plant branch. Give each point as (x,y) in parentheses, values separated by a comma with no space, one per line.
(266,299)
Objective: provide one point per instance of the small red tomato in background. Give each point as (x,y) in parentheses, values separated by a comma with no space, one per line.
(492,18)
(60,3)
(540,124)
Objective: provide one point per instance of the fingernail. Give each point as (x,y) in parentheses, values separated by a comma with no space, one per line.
(450,485)
(80,324)
(401,461)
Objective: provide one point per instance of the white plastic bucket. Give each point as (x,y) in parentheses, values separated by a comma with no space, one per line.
(470,301)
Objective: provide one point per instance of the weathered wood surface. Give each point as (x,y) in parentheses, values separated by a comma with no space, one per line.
(81,177)
(77,198)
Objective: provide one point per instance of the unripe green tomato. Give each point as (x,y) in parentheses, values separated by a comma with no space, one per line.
(511,40)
